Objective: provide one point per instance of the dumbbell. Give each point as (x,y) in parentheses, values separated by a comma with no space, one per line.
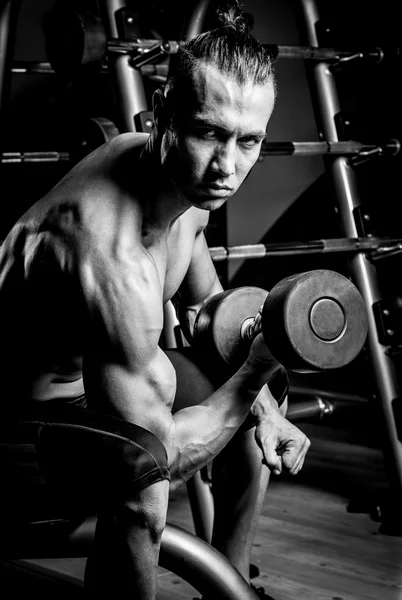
(310,321)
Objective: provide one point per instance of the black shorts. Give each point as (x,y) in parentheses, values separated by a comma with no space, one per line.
(91,460)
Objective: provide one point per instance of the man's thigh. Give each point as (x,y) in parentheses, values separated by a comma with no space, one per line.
(83,461)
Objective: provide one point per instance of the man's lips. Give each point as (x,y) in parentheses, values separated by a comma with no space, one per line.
(217,186)
(216,189)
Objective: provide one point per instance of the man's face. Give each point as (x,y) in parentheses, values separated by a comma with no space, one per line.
(210,147)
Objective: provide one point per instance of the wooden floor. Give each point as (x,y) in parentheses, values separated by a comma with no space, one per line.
(310,545)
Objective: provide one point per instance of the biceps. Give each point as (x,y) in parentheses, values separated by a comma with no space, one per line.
(143,396)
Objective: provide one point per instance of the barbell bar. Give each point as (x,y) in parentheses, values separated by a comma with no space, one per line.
(350,147)
(140,47)
(321,246)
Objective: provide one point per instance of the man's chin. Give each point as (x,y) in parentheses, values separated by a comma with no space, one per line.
(209,203)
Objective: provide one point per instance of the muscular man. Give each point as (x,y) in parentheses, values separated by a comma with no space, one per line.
(85,274)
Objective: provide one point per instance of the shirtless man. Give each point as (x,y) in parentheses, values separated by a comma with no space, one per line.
(84,276)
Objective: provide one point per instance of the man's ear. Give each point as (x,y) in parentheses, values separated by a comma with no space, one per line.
(159,110)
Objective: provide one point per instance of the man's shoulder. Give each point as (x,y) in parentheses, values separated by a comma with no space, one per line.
(121,144)
(25,248)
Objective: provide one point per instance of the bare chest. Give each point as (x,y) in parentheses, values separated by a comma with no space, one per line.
(172,257)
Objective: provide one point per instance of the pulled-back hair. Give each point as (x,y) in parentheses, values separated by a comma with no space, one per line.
(230,47)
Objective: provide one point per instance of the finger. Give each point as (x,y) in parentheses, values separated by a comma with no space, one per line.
(257,324)
(272,460)
(275,471)
(299,461)
(297,466)
(291,455)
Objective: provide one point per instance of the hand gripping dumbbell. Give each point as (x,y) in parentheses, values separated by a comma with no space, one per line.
(310,321)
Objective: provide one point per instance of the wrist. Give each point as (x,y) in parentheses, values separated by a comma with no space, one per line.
(269,400)
(279,385)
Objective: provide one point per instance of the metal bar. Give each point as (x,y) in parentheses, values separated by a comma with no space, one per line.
(189,557)
(195,24)
(306,404)
(312,408)
(320,54)
(154,53)
(202,506)
(182,553)
(127,82)
(277,51)
(28,68)
(9,11)
(337,399)
(277,148)
(339,245)
(45,68)
(34,157)
(116,44)
(343,148)
(140,47)
(202,566)
(5,22)
(362,270)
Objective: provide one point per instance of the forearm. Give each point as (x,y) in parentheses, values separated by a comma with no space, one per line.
(200,432)
(272,397)
(192,436)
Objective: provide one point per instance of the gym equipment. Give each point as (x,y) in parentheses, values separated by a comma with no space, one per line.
(355,222)
(74,39)
(78,39)
(34,157)
(356,150)
(9,10)
(359,152)
(376,247)
(310,321)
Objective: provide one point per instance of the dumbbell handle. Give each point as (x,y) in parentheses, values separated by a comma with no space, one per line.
(251,326)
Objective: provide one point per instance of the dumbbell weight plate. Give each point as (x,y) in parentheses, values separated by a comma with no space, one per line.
(74,39)
(315,320)
(217,329)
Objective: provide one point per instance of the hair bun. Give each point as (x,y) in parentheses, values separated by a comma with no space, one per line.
(232,16)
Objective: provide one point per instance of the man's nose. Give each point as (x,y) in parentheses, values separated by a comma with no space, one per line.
(224,159)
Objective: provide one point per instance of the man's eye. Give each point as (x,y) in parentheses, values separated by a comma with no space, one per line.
(249,143)
(208,134)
